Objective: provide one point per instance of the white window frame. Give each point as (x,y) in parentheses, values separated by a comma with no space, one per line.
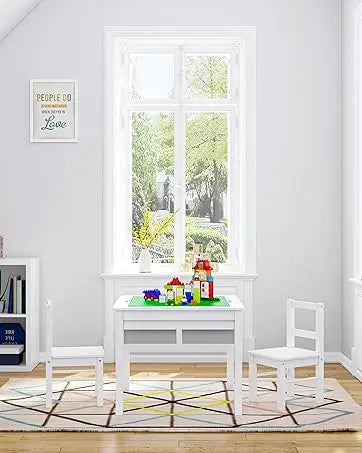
(357,144)
(117,152)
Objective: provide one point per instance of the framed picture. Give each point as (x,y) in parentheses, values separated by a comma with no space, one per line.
(53,110)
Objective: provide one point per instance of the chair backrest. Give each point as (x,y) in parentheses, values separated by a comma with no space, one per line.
(293,332)
(49,330)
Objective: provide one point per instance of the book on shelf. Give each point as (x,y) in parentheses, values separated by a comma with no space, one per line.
(19,295)
(13,297)
(3,298)
(23,297)
(14,294)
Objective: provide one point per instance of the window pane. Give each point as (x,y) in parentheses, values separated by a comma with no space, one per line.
(207,183)
(152,178)
(207,76)
(152,76)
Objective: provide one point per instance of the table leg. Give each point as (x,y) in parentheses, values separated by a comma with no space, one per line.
(126,370)
(119,351)
(238,362)
(230,368)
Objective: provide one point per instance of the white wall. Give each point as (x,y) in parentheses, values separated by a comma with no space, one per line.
(51,194)
(348,8)
(11,13)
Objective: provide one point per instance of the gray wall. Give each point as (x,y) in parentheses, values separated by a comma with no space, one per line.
(51,194)
(348,8)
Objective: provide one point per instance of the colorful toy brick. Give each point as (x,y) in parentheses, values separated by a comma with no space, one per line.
(201,287)
(152,294)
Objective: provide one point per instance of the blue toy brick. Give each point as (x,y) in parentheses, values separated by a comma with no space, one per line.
(152,294)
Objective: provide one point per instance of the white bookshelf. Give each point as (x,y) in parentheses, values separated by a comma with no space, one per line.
(28,268)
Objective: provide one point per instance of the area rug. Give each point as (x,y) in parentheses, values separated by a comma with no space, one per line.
(176,405)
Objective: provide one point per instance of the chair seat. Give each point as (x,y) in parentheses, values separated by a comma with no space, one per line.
(78,352)
(284,353)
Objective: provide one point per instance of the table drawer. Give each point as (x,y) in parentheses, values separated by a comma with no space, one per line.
(178,315)
(178,325)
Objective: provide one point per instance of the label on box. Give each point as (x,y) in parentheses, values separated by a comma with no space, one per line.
(12,333)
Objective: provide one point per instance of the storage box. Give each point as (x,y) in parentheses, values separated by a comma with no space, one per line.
(11,333)
(11,354)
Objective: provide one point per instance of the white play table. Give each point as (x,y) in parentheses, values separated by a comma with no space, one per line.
(178,319)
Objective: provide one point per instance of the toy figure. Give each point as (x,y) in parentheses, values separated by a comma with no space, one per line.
(162,299)
(188,292)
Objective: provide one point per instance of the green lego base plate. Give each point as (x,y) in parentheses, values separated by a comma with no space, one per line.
(139,301)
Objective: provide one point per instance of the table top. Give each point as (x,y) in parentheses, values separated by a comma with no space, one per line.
(123,303)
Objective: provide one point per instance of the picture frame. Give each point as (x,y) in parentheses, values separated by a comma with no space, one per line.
(53,110)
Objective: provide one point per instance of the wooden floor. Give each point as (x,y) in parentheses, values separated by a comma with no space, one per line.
(343,442)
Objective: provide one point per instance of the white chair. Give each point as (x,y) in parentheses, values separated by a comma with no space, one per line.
(71,356)
(286,359)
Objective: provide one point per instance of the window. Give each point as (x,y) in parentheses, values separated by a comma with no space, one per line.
(180,143)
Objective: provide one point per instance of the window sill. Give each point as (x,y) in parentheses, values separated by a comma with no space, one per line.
(169,274)
(355,281)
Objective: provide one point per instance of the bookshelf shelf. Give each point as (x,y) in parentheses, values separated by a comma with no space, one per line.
(15,368)
(27,268)
(12,315)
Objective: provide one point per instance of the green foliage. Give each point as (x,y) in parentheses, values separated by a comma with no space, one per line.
(207,135)
(152,150)
(216,252)
(206,161)
(207,76)
(151,231)
(189,242)
(204,236)
(164,142)
(143,180)
(139,203)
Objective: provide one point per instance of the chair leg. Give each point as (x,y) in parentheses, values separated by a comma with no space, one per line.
(282,387)
(253,378)
(99,381)
(49,384)
(320,380)
(290,385)
(230,370)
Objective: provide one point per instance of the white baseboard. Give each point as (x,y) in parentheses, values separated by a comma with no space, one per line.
(346,362)
(333,357)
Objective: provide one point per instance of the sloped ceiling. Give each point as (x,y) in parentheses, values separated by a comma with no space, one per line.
(12,12)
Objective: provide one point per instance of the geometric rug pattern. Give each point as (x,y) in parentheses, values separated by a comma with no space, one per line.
(172,405)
